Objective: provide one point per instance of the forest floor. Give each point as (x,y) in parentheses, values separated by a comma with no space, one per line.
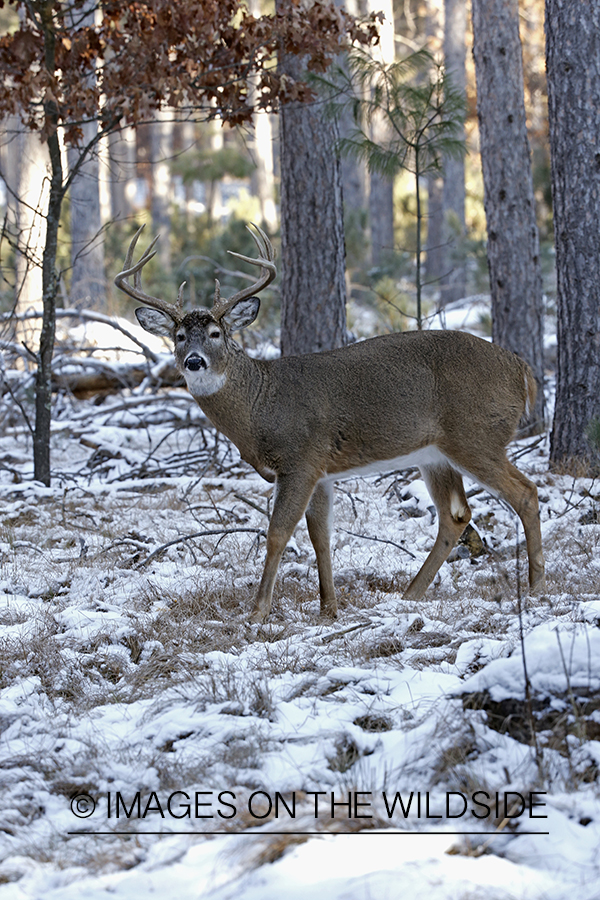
(153,742)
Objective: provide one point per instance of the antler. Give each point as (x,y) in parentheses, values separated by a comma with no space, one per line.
(174,310)
(268,271)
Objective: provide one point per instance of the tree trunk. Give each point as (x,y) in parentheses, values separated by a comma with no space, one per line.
(43,382)
(122,169)
(381,190)
(88,286)
(573,67)
(161,131)
(313,288)
(513,246)
(434,246)
(434,243)
(453,280)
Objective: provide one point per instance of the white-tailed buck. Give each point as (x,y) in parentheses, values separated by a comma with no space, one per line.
(443,401)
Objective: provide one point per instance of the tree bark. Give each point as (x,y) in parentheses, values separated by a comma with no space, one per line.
(435,259)
(453,280)
(122,171)
(434,245)
(88,286)
(513,245)
(43,376)
(313,288)
(161,139)
(573,67)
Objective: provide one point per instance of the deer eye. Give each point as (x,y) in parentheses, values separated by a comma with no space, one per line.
(181,337)
(214,334)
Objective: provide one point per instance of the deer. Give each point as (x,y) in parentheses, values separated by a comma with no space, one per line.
(446,402)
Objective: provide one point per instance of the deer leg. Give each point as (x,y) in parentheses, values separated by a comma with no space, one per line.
(292,494)
(445,486)
(318,520)
(510,484)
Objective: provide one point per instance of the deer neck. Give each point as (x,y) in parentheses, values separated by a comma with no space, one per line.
(236,409)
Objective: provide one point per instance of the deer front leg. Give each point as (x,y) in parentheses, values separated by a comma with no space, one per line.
(292,493)
(318,519)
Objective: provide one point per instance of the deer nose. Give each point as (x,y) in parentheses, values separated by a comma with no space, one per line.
(194,363)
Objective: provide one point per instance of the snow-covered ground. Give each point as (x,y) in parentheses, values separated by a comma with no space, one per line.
(153,743)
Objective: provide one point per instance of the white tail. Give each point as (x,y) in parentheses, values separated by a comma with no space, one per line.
(443,401)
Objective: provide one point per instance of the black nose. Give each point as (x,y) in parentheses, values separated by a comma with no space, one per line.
(194,363)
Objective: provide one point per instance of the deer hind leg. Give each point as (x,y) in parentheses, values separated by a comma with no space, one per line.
(292,494)
(508,482)
(318,520)
(445,486)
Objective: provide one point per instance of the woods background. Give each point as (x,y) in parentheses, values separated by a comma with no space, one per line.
(116,116)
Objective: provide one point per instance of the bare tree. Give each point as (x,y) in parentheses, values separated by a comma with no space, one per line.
(512,245)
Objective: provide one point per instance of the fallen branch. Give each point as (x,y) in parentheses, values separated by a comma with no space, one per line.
(338,634)
(109,378)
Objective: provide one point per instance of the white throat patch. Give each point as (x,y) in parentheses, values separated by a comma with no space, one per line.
(203,383)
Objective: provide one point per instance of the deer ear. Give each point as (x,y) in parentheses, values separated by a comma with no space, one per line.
(242,314)
(155,321)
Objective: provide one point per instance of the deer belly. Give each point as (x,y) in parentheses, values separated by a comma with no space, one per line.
(426,456)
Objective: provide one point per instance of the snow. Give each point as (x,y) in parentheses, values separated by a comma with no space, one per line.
(153,742)
(563,658)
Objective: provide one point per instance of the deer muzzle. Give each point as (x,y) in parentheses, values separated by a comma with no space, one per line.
(195,363)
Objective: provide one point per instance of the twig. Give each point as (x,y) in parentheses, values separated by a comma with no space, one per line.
(20,405)
(367,537)
(198,534)
(251,503)
(523,450)
(480,850)
(528,699)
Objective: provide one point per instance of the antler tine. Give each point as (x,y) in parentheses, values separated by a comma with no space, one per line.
(268,272)
(265,249)
(179,304)
(174,310)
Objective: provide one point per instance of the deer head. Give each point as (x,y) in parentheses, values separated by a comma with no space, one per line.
(202,337)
